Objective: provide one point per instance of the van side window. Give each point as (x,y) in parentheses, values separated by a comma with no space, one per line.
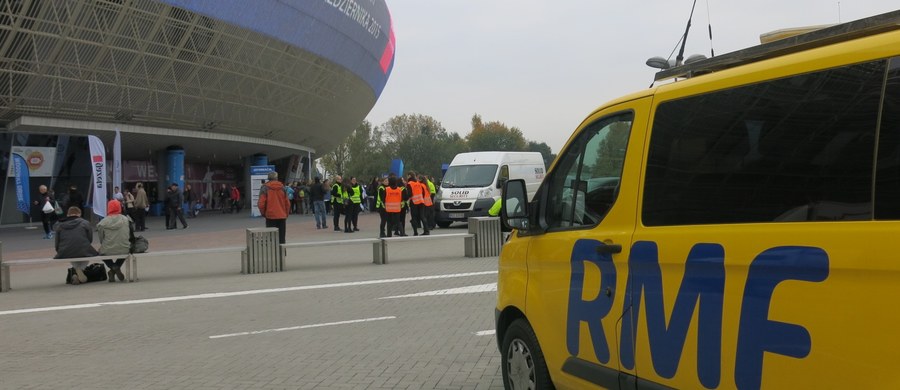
(887,174)
(800,148)
(584,186)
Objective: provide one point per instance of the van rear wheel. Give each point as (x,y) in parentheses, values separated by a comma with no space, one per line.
(522,360)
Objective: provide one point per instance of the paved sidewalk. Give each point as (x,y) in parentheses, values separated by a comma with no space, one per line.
(333,320)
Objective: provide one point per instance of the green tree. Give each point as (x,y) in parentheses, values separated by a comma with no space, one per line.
(494,136)
(544,150)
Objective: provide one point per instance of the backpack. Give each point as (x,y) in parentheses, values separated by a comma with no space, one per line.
(290,193)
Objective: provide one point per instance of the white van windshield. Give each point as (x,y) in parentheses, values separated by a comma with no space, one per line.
(468,176)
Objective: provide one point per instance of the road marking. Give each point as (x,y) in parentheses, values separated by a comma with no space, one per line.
(302,327)
(486,332)
(450,291)
(243,293)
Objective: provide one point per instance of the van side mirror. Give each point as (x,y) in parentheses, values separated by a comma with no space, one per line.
(513,212)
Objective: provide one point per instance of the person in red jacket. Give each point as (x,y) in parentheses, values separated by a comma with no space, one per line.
(274,204)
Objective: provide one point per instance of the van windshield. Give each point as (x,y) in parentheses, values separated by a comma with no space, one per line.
(468,176)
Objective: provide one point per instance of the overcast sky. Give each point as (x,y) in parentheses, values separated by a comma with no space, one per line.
(543,65)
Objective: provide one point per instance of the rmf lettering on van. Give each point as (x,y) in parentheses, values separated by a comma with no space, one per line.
(733,229)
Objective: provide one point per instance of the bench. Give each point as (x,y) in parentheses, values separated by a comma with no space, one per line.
(468,238)
(5,266)
(375,242)
(133,277)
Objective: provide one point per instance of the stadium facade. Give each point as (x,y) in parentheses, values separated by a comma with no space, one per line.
(220,85)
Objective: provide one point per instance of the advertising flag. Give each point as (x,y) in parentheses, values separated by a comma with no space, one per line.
(117,161)
(20,171)
(98,174)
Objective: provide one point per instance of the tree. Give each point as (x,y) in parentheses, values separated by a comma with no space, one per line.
(359,155)
(544,150)
(423,144)
(494,136)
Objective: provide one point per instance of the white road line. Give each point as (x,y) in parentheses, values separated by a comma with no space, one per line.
(451,291)
(243,293)
(486,332)
(302,327)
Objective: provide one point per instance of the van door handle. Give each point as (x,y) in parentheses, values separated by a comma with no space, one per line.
(609,249)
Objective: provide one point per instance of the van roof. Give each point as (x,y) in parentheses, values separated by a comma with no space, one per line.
(471,158)
(818,38)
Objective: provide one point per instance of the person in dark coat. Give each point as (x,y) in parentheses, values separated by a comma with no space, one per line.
(74,238)
(75,200)
(174,204)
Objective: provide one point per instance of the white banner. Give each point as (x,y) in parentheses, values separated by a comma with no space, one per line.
(117,161)
(39,160)
(98,174)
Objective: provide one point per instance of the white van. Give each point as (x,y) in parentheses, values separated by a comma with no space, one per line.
(474,180)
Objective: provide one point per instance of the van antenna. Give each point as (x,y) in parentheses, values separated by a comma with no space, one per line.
(712,53)
(680,59)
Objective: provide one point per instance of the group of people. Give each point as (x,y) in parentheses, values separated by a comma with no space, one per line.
(74,239)
(133,203)
(394,197)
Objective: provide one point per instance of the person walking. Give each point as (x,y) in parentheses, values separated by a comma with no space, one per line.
(235,199)
(191,197)
(274,205)
(74,238)
(428,208)
(317,196)
(45,203)
(223,195)
(115,233)
(129,203)
(337,202)
(174,205)
(404,208)
(75,199)
(141,205)
(326,185)
(352,203)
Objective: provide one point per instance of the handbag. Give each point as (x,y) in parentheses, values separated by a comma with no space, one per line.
(139,245)
(58,210)
(48,208)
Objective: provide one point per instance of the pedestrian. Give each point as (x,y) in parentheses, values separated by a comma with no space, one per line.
(416,192)
(235,199)
(274,205)
(174,204)
(327,197)
(404,208)
(428,208)
(292,193)
(129,204)
(432,189)
(352,204)
(46,206)
(317,196)
(75,199)
(141,206)
(223,196)
(115,232)
(337,202)
(74,238)
(191,197)
(393,206)
(380,194)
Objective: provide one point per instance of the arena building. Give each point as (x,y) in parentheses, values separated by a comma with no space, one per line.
(199,90)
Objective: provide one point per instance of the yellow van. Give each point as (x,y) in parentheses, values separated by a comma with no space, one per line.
(739,228)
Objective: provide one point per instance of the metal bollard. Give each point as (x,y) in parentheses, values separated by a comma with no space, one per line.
(264,253)
(488,236)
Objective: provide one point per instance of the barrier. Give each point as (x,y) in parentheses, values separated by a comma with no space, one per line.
(488,236)
(263,252)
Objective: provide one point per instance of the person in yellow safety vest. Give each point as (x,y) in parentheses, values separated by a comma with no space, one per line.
(495,208)
(353,201)
(393,205)
(434,208)
(337,201)
(379,205)
(417,208)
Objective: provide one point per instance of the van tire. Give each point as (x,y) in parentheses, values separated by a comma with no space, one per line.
(522,360)
(444,224)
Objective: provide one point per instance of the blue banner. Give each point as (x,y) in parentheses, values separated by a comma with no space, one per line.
(20,171)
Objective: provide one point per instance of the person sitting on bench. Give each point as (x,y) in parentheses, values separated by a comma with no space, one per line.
(115,232)
(73,239)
